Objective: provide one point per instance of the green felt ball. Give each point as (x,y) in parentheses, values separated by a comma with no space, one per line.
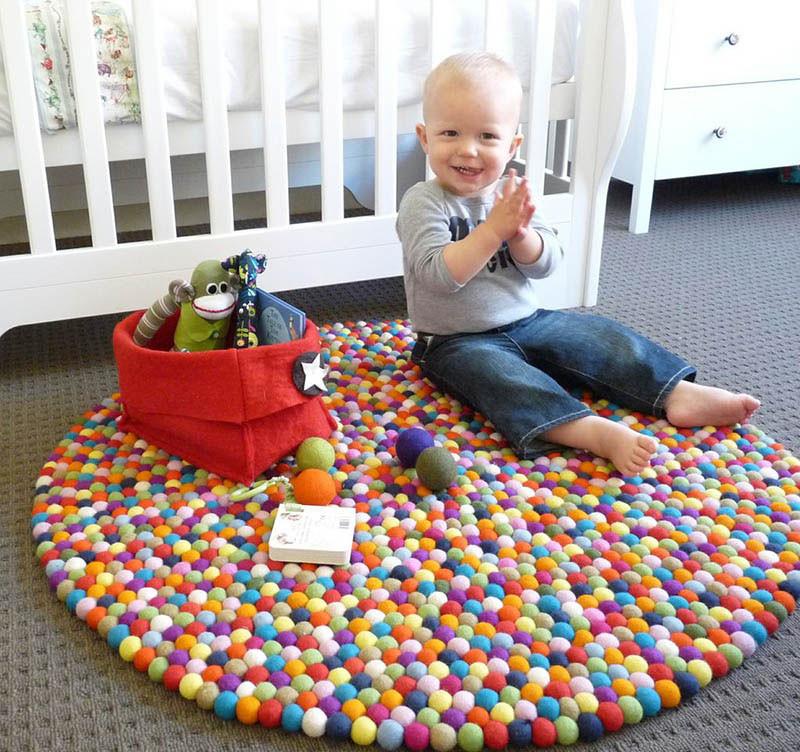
(567,730)
(631,709)
(732,654)
(436,468)
(315,452)
(470,737)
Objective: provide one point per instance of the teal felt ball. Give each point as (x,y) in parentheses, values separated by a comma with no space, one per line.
(436,468)
(315,452)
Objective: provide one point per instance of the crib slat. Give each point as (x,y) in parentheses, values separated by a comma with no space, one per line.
(154,119)
(493,25)
(215,116)
(542,39)
(330,105)
(273,98)
(27,136)
(91,125)
(385,109)
(437,22)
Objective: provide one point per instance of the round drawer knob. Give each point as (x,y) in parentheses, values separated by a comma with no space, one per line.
(720,132)
(732,38)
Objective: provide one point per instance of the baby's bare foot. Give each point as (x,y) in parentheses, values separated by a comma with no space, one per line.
(628,450)
(692,404)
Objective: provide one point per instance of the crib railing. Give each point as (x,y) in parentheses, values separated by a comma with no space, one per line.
(333,250)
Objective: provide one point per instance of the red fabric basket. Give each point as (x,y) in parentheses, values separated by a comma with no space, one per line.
(233,412)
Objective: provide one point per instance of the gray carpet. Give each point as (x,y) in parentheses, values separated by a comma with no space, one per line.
(715,279)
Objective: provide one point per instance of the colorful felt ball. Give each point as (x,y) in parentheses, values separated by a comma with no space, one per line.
(315,452)
(315,487)
(436,468)
(410,444)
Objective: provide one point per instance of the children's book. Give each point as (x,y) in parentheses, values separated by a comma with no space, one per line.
(317,535)
(278,321)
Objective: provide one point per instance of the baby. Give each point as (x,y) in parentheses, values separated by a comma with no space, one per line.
(473,245)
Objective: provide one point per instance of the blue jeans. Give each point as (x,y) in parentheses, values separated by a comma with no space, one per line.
(518,375)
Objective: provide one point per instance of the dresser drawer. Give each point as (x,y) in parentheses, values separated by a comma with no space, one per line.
(761,121)
(766,50)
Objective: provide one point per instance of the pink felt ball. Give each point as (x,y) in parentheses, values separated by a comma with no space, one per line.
(417,736)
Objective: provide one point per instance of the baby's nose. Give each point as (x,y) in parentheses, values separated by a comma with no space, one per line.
(467,146)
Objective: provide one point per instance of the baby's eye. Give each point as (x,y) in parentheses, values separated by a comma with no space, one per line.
(488,136)
(450,134)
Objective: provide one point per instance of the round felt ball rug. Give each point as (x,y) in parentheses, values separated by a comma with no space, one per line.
(533,602)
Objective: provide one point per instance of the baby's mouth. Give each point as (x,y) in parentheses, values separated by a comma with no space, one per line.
(468,171)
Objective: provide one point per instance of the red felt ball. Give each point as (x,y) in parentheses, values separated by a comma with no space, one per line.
(317,671)
(256,674)
(658,671)
(172,677)
(557,690)
(269,714)
(543,732)
(611,715)
(768,620)
(495,734)
(405,684)
(577,654)
(494,680)
(314,487)
(717,662)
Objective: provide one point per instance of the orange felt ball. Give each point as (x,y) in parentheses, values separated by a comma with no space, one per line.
(315,487)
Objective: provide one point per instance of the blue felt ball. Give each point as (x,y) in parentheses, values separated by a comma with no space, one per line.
(390,734)
(687,684)
(590,727)
(549,708)
(410,444)
(117,634)
(756,630)
(519,733)
(225,704)
(649,700)
(292,717)
(338,726)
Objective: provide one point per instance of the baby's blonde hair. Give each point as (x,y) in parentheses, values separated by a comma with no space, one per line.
(471,68)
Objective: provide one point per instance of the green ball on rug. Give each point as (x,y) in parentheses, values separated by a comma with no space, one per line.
(315,453)
(436,468)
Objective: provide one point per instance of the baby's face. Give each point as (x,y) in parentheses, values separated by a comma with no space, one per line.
(470,134)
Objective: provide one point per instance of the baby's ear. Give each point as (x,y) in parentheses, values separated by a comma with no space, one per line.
(422,136)
(515,142)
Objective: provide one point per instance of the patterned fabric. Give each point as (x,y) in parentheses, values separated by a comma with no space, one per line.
(790,174)
(47,35)
(247,266)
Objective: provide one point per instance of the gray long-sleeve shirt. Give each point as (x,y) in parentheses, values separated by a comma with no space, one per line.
(430,218)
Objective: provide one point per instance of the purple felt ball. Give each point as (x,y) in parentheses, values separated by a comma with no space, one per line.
(410,444)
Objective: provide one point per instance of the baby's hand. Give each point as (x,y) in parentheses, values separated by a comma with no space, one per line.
(512,210)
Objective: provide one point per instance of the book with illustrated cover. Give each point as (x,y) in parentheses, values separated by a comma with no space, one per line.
(278,321)
(316,535)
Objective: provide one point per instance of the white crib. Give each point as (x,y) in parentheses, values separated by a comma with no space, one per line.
(48,284)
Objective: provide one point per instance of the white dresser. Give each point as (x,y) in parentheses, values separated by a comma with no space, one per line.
(718,90)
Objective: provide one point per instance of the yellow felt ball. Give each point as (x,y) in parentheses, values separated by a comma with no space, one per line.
(129,647)
(364,731)
(190,685)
